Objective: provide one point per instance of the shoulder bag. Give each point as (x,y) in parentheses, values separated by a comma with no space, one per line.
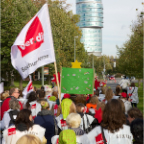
(88,123)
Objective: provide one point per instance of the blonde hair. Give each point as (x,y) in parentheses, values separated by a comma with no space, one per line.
(94,100)
(72,108)
(4,95)
(104,89)
(73,120)
(109,94)
(29,139)
(7,91)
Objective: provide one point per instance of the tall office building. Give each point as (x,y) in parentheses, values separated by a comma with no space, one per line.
(91,24)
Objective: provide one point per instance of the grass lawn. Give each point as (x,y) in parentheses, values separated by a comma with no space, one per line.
(140,94)
(36,84)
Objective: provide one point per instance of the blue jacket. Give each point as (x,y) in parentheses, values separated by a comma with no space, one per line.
(46,119)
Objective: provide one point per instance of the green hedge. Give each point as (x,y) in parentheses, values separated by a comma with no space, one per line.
(140,95)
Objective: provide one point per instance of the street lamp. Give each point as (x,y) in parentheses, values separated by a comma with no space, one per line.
(74,47)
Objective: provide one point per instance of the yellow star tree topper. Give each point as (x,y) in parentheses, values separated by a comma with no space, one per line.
(76,64)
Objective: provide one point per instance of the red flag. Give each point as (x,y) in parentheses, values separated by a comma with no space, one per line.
(28,88)
(54,80)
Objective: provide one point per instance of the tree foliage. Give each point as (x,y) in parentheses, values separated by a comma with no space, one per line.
(14,15)
(99,63)
(130,60)
(64,30)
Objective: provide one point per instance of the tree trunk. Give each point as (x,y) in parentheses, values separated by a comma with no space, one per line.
(8,80)
(12,81)
(32,76)
(139,82)
(20,84)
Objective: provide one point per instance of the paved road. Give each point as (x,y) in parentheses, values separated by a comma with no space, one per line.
(113,84)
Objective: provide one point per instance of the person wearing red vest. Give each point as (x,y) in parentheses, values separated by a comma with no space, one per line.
(14,92)
(97,84)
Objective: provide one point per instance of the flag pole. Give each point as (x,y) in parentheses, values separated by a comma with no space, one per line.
(57,82)
(56,70)
(60,81)
(94,80)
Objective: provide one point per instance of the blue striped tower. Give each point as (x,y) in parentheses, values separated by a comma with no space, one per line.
(91,24)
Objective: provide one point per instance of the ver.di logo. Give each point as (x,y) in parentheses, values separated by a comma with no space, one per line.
(34,38)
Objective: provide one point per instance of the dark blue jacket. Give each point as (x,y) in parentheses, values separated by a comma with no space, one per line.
(46,119)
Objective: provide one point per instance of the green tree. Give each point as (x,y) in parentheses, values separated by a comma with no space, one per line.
(130,60)
(14,15)
(99,63)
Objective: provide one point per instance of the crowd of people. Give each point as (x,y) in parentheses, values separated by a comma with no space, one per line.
(105,117)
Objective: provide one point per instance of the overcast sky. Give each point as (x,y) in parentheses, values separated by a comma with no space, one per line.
(118,16)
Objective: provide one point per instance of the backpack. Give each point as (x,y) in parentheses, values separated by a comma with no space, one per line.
(13,115)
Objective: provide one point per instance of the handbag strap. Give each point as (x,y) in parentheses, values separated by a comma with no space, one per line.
(89,128)
(56,128)
(11,115)
(83,124)
(133,91)
(87,120)
(103,135)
